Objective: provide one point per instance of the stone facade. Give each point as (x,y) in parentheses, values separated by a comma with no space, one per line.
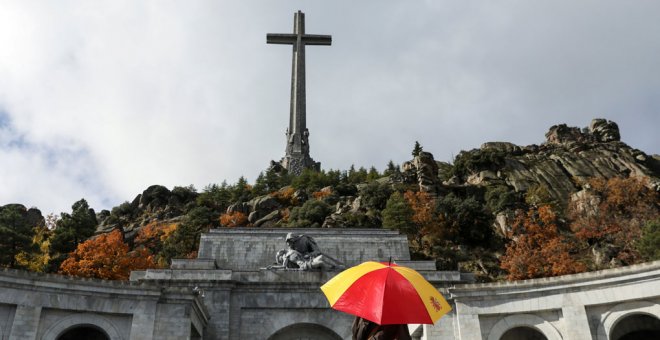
(598,305)
(226,294)
(38,306)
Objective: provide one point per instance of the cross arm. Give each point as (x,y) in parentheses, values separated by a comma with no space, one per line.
(317,39)
(280,38)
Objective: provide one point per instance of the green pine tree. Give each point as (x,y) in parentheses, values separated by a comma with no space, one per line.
(649,244)
(398,213)
(15,234)
(417,149)
(71,230)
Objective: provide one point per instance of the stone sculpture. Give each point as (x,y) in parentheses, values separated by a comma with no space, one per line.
(304,244)
(294,260)
(303,253)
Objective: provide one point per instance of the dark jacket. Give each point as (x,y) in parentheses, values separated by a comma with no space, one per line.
(366,330)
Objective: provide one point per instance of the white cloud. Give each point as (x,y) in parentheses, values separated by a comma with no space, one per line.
(115,96)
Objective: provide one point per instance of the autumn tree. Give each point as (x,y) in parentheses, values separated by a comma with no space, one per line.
(424,218)
(233,219)
(37,258)
(184,241)
(153,236)
(106,257)
(611,215)
(537,248)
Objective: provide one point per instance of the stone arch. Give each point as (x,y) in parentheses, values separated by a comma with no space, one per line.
(305,331)
(86,319)
(619,312)
(526,333)
(524,320)
(87,332)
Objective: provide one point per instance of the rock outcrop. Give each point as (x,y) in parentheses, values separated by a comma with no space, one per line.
(156,203)
(568,157)
(423,170)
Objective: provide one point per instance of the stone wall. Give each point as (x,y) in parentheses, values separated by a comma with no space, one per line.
(39,306)
(581,306)
(251,249)
(197,299)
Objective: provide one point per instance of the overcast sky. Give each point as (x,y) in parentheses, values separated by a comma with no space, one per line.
(101,99)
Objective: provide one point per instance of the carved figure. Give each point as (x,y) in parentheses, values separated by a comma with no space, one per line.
(303,253)
(304,244)
(294,260)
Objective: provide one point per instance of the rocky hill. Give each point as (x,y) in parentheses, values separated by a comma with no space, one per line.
(568,158)
(487,186)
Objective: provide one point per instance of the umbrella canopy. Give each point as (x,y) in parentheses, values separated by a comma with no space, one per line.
(385,294)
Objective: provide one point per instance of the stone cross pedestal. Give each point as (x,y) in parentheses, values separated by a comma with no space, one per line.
(297,146)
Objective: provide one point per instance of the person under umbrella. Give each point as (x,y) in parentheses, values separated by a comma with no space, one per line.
(364,329)
(385,297)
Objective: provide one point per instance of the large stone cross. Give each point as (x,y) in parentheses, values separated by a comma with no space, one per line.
(297,151)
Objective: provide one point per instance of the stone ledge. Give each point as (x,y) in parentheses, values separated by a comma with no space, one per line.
(183,275)
(597,278)
(208,264)
(19,279)
(281,232)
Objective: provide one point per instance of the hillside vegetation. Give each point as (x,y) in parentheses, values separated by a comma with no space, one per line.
(583,200)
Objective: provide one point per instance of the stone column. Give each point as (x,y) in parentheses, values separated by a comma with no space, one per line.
(442,330)
(576,323)
(144,319)
(469,327)
(26,323)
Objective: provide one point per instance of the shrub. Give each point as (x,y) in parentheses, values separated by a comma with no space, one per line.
(312,213)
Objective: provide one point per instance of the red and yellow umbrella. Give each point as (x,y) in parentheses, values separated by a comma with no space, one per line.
(385,294)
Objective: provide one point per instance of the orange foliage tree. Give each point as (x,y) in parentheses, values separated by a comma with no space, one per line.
(614,214)
(153,235)
(233,219)
(321,194)
(537,249)
(285,196)
(424,218)
(106,257)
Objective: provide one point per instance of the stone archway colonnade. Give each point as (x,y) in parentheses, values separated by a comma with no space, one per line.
(221,296)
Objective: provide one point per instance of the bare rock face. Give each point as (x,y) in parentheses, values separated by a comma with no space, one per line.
(423,170)
(569,156)
(427,171)
(585,202)
(262,210)
(604,130)
(346,205)
(562,134)
(31,217)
